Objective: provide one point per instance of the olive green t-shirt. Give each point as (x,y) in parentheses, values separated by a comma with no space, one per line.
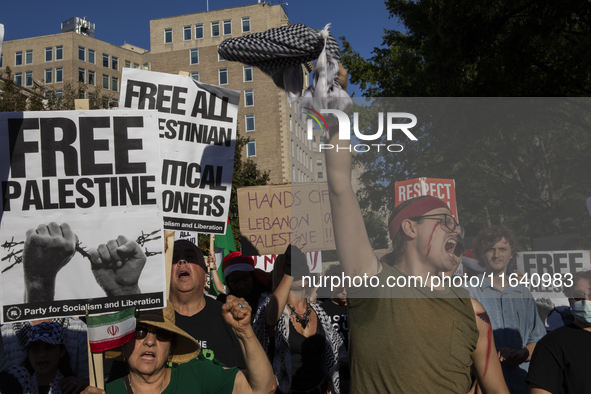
(198,376)
(410,339)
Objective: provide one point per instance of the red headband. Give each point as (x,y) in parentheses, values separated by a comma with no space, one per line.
(414,209)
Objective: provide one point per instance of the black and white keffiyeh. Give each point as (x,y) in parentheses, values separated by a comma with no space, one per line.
(280,52)
(282,357)
(29,383)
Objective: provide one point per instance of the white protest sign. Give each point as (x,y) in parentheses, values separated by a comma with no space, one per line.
(197,130)
(546,273)
(80,197)
(267,262)
(1,36)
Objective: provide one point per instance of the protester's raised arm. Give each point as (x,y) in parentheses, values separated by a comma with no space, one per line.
(215,278)
(486,363)
(352,243)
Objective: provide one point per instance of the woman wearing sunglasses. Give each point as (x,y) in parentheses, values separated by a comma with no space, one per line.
(162,358)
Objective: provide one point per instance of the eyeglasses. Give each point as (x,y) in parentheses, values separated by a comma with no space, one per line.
(161,335)
(580,296)
(448,221)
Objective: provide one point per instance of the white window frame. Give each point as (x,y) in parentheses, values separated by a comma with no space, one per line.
(220,58)
(227,22)
(195,75)
(253,143)
(217,24)
(246,93)
(59,52)
(48,72)
(18,79)
(168,30)
(108,58)
(199,26)
(115,84)
(18,55)
(93,53)
(128,63)
(59,74)
(246,118)
(49,51)
(191,52)
(115,63)
(244,70)
(220,72)
(185,30)
(28,78)
(27,52)
(246,19)
(59,93)
(93,81)
(83,75)
(81,51)
(105,78)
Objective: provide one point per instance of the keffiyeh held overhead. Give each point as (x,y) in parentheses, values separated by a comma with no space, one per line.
(280,52)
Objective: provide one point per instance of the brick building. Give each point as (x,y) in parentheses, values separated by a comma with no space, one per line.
(182,44)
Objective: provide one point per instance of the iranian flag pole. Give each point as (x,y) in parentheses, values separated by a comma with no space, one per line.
(96,373)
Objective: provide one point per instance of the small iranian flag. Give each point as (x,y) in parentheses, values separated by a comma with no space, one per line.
(110,331)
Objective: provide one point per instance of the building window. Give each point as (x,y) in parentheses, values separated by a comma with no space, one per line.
(48,54)
(127,64)
(187,33)
(248,98)
(82,75)
(227,27)
(115,84)
(247,73)
(246,24)
(223,76)
(59,74)
(91,79)
(320,175)
(29,78)
(1,58)
(168,36)
(105,60)
(198,31)
(49,75)
(81,94)
(115,103)
(215,29)
(135,65)
(18,79)
(59,52)
(91,58)
(251,148)
(195,76)
(319,163)
(220,58)
(18,59)
(194,57)
(146,67)
(82,54)
(59,93)
(29,56)
(115,63)
(105,81)
(250,122)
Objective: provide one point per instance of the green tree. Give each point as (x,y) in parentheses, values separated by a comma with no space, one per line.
(12,98)
(525,165)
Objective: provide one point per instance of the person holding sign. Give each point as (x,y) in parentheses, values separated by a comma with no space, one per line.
(162,358)
(512,309)
(403,337)
(560,363)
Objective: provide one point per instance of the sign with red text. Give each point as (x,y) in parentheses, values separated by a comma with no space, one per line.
(443,189)
(267,262)
(272,217)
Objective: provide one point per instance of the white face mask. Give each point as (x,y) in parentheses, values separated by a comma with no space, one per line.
(581,310)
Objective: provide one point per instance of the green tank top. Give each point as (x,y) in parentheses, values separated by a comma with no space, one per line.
(410,340)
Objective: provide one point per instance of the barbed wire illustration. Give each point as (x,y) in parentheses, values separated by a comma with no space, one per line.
(17,255)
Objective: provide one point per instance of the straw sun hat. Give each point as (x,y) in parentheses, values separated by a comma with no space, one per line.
(185,347)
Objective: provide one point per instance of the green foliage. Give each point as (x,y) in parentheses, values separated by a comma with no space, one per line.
(524,165)
(12,98)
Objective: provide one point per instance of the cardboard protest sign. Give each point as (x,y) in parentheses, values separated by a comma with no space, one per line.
(272,217)
(443,189)
(546,273)
(267,262)
(80,197)
(197,130)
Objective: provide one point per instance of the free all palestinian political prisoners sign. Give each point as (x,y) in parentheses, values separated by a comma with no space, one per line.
(443,189)
(272,217)
(197,130)
(80,225)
